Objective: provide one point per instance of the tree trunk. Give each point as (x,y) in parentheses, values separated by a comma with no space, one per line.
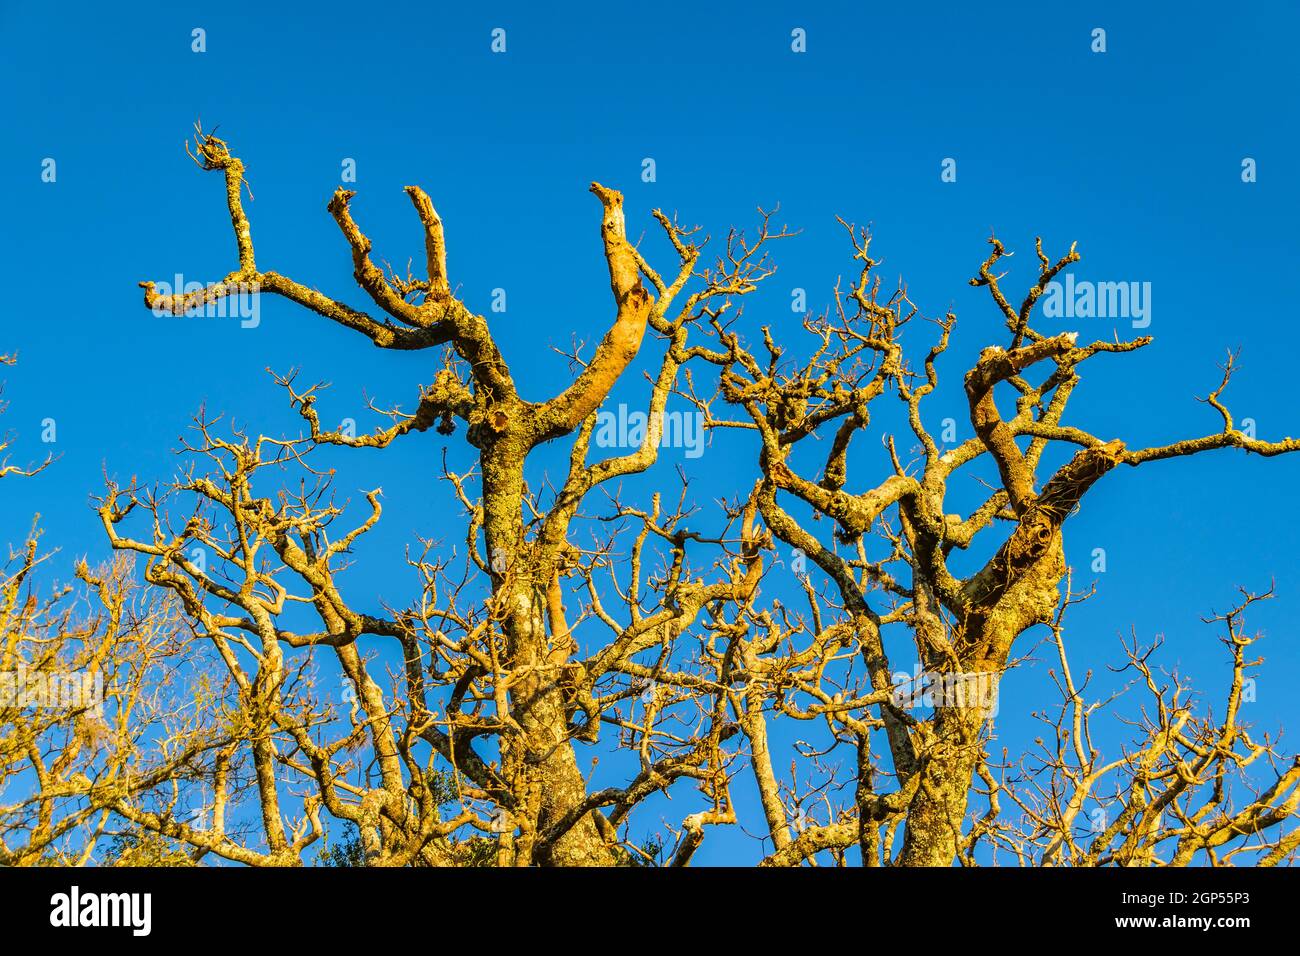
(934,820)
(541,760)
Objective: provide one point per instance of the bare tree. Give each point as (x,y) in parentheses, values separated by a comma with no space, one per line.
(1167,798)
(105,710)
(964,629)
(89,701)
(579,622)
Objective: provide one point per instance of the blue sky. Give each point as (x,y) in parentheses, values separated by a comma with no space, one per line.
(1135,154)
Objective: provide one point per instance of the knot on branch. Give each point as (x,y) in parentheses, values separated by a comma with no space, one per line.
(787,408)
(210,152)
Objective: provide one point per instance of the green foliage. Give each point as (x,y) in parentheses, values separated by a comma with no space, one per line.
(348,852)
(651,854)
(442,784)
(479,851)
(145,849)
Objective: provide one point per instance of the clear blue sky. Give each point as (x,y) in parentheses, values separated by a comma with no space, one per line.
(1135,153)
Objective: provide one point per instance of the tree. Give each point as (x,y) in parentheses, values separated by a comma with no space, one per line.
(576,616)
(101,697)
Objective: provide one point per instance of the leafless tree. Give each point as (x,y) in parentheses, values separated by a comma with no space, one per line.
(577,621)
